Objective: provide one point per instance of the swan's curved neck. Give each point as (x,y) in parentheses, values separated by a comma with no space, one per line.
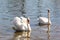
(28,22)
(48,20)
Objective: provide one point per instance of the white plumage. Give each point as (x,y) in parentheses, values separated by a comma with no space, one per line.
(44,20)
(21,23)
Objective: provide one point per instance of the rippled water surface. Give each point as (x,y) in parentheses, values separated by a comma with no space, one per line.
(33,9)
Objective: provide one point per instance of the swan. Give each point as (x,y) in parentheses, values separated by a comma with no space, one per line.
(44,20)
(21,24)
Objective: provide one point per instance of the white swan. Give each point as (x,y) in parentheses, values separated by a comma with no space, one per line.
(21,23)
(44,20)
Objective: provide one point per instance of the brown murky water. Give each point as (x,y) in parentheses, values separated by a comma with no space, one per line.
(33,9)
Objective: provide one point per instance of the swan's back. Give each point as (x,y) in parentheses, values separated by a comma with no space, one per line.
(17,21)
(44,20)
(24,20)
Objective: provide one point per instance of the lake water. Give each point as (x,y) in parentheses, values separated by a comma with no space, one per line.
(33,9)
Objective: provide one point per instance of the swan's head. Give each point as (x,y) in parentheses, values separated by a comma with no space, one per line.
(48,10)
(28,20)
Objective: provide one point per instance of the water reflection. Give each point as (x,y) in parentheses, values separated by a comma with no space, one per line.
(21,36)
(45,31)
(48,33)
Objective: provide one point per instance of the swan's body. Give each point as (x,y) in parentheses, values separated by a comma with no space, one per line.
(21,23)
(43,20)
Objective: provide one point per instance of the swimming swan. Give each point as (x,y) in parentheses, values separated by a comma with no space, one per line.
(21,23)
(44,20)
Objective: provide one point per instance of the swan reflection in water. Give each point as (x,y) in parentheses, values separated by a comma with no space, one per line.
(48,33)
(22,28)
(21,36)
